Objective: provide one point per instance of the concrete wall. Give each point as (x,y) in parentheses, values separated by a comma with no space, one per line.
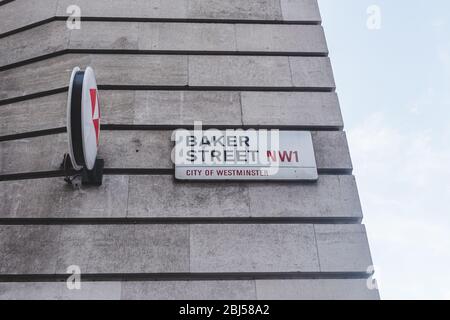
(162,65)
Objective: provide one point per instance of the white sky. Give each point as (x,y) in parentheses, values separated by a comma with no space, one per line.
(394,88)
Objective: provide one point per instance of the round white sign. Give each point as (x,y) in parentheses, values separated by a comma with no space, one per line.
(83,118)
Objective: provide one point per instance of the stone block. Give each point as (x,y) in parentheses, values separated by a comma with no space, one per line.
(253,248)
(331,196)
(313,72)
(105,35)
(185,107)
(53,198)
(99,290)
(235,9)
(42,40)
(188,290)
(300,10)
(343,248)
(281,38)
(161,196)
(124,248)
(239,71)
(317,289)
(186,37)
(291,109)
(20,13)
(36,114)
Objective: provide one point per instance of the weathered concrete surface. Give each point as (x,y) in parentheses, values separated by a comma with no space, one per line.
(300,10)
(334,196)
(158,70)
(34,11)
(178,108)
(103,35)
(186,290)
(54,37)
(118,8)
(235,9)
(33,154)
(40,76)
(311,72)
(162,197)
(343,247)
(110,69)
(280,38)
(260,71)
(291,108)
(302,289)
(131,290)
(31,115)
(137,149)
(140,149)
(124,248)
(53,198)
(187,37)
(204,248)
(100,290)
(28,249)
(185,107)
(296,10)
(253,248)
(20,13)
(159,196)
(33,43)
(94,248)
(241,71)
(329,289)
(170,70)
(331,150)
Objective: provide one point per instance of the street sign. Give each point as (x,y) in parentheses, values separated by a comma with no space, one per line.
(244,155)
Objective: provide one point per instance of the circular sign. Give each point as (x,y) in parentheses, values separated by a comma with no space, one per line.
(83,118)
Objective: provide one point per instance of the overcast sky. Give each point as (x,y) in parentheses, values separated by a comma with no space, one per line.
(394,88)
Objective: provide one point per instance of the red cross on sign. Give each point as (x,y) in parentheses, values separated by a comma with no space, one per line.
(95,112)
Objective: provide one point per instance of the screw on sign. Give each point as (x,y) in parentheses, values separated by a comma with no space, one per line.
(83,128)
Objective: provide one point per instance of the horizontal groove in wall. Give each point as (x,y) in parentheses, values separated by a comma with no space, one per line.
(171,88)
(139,127)
(168,20)
(143,127)
(32,175)
(33,96)
(3,2)
(160,20)
(185,276)
(195,20)
(150,171)
(140,171)
(32,134)
(196,220)
(27,27)
(163,52)
(217,88)
(36,59)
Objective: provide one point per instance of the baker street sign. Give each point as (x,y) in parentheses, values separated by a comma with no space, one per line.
(244,155)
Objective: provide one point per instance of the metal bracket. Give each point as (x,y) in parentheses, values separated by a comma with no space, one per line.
(83,177)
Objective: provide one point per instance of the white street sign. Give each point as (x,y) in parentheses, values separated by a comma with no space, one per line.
(244,155)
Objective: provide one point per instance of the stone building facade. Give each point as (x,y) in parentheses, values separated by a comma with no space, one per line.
(161,65)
